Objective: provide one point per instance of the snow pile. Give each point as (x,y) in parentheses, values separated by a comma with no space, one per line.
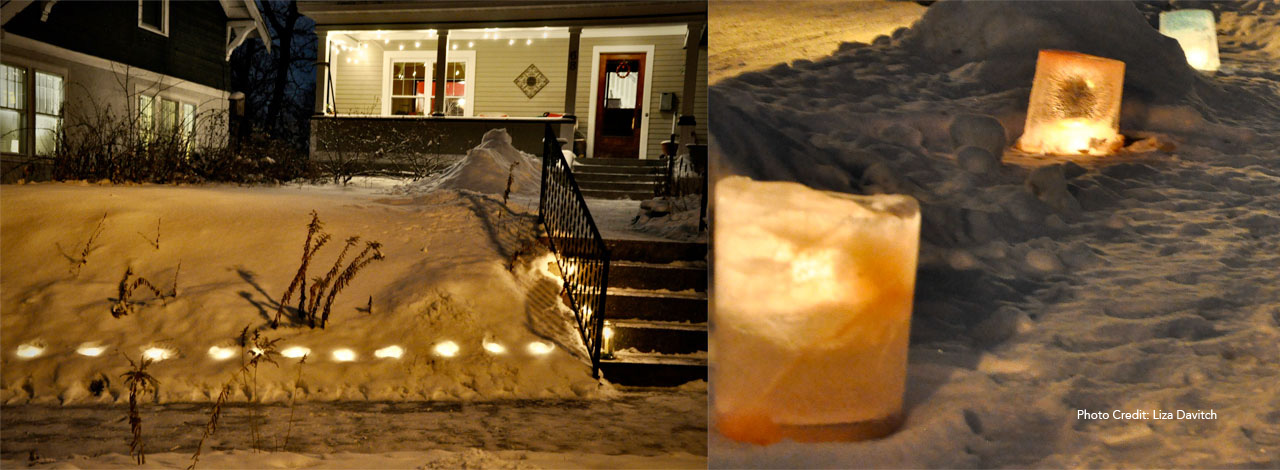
(486,168)
(433,459)
(671,219)
(458,294)
(1143,280)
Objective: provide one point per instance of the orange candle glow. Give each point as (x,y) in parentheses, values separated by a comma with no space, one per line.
(1075,105)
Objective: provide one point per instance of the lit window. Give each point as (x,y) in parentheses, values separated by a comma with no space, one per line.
(49,96)
(408,88)
(13,99)
(146,117)
(153,15)
(189,124)
(455,89)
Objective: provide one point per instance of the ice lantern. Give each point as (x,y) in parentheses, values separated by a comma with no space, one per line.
(812,311)
(1075,105)
(1196,33)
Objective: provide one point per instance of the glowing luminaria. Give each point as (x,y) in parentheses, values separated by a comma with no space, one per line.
(219,353)
(447,349)
(391,352)
(495,348)
(90,349)
(541,347)
(157,354)
(344,355)
(30,350)
(295,352)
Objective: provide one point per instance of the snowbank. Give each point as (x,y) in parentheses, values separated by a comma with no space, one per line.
(460,272)
(486,167)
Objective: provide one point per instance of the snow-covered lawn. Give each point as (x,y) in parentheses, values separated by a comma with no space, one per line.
(465,307)
(1150,281)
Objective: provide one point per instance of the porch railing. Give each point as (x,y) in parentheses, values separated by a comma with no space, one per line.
(579,249)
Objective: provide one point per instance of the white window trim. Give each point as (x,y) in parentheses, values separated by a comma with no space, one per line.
(429,57)
(647,49)
(164,19)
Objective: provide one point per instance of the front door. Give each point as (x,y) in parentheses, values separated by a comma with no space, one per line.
(619,105)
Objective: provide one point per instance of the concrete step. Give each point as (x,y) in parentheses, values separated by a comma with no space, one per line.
(609,177)
(658,252)
(679,276)
(620,161)
(614,170)
(650,305)
(617,186)
(609,194)
(653,370)
(658,336)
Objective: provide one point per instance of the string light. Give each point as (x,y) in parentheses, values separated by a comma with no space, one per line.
(402,47)
(455,47)
(471,44)
(417,44)
(528,42)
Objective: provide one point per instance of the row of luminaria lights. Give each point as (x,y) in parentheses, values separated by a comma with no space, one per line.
(220,353)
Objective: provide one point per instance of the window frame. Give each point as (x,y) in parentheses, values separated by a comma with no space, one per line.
(151,118)
(24,118)
(428,58)
(163,30)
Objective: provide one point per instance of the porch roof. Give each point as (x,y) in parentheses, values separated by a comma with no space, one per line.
(329,14)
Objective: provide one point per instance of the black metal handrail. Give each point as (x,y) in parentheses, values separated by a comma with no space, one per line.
(579,249)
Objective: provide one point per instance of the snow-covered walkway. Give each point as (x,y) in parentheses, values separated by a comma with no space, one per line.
(644,429)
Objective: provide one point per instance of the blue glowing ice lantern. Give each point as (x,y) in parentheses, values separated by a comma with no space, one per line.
(1196,32)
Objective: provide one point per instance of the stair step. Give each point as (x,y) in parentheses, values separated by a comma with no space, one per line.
(607,177)
(652,305)
(628,186)
(614,170)
(650,251)
(607,194)
(621,161)
(653,370)
(667,276)
(658,336)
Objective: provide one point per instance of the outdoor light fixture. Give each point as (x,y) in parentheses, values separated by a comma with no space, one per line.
(157,354)
(90,349)
(1196,33)
(447,349)
(344,355)
(1075,105)
(539,348)
(220,353)
(29,350)
(471,44)
(813,311)
(295,352)
(494,348)
(389,352)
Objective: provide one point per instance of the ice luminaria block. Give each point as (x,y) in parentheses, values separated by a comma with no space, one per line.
(1196,33)
(1075,105)
(812,309)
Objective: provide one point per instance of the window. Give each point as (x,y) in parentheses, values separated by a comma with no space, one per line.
(167,119)
(153,15)
(13,100)
(146,117)
(409,88)
(49,96)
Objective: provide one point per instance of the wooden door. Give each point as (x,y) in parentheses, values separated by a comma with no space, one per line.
(619,105)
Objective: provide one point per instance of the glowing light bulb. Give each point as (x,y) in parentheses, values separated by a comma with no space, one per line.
(402,47)
(511,42)
(417,44)
(471,44)
(220,353)
(157,354)
(528,42)
(344,355)
(386,41)
(90,349)
(389,352)
(495,348)
(539,348)
(462,102)
(608,332)
(455,47)
(29,350)
(294,352)
(256,351)
(447,349)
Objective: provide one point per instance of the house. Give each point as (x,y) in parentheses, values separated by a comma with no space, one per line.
(615,78)
(159,63)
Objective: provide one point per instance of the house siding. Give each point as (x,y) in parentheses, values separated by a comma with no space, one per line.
(358,87)
(193,51)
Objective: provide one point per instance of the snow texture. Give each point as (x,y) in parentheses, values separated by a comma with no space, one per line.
(1143,280)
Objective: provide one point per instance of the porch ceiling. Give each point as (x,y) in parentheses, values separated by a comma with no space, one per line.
(497,13)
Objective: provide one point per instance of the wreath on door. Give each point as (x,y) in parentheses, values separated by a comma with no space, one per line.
(624,65)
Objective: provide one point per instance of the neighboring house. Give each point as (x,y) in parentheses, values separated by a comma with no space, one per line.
(631,74)
(160,62)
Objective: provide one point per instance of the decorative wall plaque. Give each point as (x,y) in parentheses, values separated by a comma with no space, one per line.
(531,81)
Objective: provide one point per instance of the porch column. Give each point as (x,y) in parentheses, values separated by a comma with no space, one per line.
(442,64)
(571,85)
(687,122)
(322,71)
